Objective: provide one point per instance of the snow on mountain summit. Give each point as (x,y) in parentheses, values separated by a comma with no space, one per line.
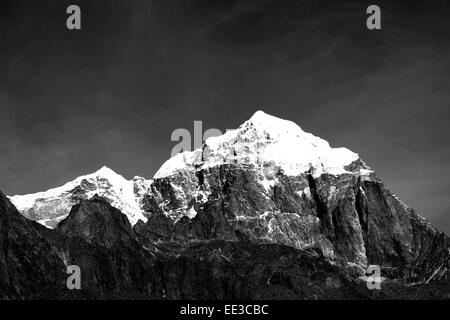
(265,140)
(51,206)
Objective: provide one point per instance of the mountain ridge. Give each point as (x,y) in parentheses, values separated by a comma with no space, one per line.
(127,195)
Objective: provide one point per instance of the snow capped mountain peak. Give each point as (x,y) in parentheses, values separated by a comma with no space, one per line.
(51,206)
(107,174)
(266,141)
(105,171)
(273,125)
(279,130)
(262,117)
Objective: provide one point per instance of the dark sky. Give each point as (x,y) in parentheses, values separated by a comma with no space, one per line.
(112,93)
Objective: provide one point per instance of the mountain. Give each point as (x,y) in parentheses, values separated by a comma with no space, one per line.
(52,206)
(263,211)
(270,182)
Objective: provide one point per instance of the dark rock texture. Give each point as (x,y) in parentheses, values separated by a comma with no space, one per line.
(118,261)
(352,219)
(30,266)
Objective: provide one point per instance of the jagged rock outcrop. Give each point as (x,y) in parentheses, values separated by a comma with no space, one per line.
(30,266)
(96,237)
(100,240)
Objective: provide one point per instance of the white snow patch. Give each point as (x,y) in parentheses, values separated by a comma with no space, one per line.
(362,191)
(365,172)
(305,192)
(191,213)
(331,194)
(45,222)
(178,162)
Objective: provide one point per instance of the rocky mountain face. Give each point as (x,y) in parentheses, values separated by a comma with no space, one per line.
(116,264)
(270,182)
(263,211)
(117,261)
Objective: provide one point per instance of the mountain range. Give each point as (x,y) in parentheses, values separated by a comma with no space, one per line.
(264,211)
